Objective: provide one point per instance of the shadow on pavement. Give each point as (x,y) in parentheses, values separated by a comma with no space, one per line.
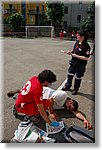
(63,113)
(88,96)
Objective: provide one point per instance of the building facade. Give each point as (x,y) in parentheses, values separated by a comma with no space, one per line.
(34,13)
(74,13)
(8,7)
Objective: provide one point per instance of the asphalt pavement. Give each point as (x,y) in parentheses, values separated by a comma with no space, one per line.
(24,58)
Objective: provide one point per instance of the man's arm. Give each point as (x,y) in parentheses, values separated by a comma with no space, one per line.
(51,105)
(53,116)
(43,113)
(80,116)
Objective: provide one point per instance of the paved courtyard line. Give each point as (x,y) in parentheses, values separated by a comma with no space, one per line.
(62,85)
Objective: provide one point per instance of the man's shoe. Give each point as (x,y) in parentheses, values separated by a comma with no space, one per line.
(12,93)
(74,92)
(66,88)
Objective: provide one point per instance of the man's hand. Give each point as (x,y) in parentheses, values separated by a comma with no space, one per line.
(53,116)
(87,124)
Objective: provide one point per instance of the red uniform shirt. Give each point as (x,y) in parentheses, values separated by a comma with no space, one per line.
(61,34)
(31,95)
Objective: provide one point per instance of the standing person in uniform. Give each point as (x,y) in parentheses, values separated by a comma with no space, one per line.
(30,102)
(61,34)
(80,55)
(73,35)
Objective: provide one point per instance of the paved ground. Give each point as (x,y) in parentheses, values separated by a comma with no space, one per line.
(24,58)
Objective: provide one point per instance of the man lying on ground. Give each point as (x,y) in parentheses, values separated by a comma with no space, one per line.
(60,100)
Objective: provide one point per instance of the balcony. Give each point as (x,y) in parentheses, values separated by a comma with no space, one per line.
(34,12)
(8,11)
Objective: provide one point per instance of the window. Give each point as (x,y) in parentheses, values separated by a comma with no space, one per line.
(10,6)
(31,19)
(65,24)
(66,10)
(42,8)
(37,9)
(80,5)
(78,18)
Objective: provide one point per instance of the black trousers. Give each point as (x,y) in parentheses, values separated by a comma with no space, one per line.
(77,69)
(24,117)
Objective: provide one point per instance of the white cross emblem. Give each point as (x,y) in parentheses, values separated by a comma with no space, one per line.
(26,88)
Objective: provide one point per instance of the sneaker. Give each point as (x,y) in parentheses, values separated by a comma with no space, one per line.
(74,92)
(66,88)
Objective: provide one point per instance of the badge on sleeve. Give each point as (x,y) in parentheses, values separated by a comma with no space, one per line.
(80,49)
(26,88)
(88,52)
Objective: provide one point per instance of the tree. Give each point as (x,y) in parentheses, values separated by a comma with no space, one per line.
(15,21)
(88,24)
(55,13)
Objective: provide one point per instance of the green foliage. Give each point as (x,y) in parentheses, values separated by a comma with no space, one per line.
(15,21)
(91,8)
(88,24)
(55,12)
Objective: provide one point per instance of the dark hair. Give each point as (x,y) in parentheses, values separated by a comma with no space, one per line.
(47,75)
(83,33)
(75,104)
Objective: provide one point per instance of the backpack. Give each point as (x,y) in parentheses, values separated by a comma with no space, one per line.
(76,134)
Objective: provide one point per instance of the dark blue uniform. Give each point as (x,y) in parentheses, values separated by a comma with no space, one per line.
(78,66)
